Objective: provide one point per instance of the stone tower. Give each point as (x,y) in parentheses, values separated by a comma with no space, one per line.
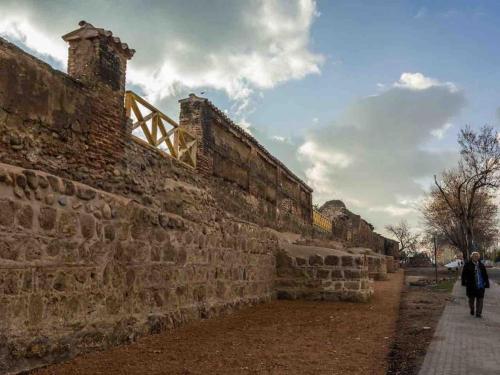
(96,56)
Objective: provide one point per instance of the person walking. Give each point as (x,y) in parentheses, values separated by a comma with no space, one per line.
(475,279)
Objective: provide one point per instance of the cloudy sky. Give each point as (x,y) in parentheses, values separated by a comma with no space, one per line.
(363,99)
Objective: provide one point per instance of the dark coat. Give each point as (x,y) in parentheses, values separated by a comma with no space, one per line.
(469,279)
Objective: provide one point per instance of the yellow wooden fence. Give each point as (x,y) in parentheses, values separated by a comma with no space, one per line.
(322,222)
(180,144)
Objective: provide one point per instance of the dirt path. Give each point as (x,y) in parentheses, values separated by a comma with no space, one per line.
(282,337)
(421,308)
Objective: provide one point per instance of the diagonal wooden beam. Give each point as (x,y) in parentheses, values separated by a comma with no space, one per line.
(146,118)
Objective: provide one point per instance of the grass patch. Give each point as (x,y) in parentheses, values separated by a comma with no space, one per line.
(444,285)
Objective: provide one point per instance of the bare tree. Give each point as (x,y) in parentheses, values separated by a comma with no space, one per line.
(461,203)
(408,241)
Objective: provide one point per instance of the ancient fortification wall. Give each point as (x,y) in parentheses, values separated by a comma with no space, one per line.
(104,238)
(319,273)
(82,269)
(229,152)
(356,232)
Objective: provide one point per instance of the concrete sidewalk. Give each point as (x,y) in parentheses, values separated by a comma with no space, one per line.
(463,344)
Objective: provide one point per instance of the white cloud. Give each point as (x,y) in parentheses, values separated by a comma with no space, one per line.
(393,210)
(330,157)
(279,138)
(240,48)
(440,132)
(374,152)
(18,28)
(417,81)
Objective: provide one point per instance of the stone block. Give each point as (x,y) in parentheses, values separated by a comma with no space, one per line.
(337,274)
(35,309)
(332,260)
(352,285)
(109,232)
(42,182)
(47,218)
(300,261)
(68,224)
(11,283)
(25,216)
(60,282)
(156,251)
(322,273)
(55,184)
(8,250)
(7,209)
(87,225)
(21,181)
(69,187)
(315,260)
(85,194)
(32,248)
(352,274)
(347,261)
(169,253)
(32,179)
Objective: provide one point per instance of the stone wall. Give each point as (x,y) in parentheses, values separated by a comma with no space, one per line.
(82,269)
(103,238)
(320,273)
(229,152)
(77,130)
(355,231)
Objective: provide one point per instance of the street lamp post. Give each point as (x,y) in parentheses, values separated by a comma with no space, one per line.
(435,259)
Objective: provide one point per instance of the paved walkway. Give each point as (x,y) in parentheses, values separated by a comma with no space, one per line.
(463,344)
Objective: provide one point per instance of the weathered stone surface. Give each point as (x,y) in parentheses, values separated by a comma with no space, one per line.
(32,179)
(21,181)
(7,209)
(317,280)
(109,232)
(86,194)
(352,274)
(106,211)
(347,261)
(32,248)
(35,309)
(60,283)
(25,216)
(332,260)
(8,250)
(87,225)
(47,218)
(323,273)
(67,224)
(69,187)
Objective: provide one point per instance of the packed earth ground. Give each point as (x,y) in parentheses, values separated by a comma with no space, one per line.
(281,337)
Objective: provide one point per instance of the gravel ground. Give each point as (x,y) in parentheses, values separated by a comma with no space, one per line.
(281,337)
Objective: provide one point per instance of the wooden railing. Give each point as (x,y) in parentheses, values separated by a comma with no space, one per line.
(176,142)
(322,222)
